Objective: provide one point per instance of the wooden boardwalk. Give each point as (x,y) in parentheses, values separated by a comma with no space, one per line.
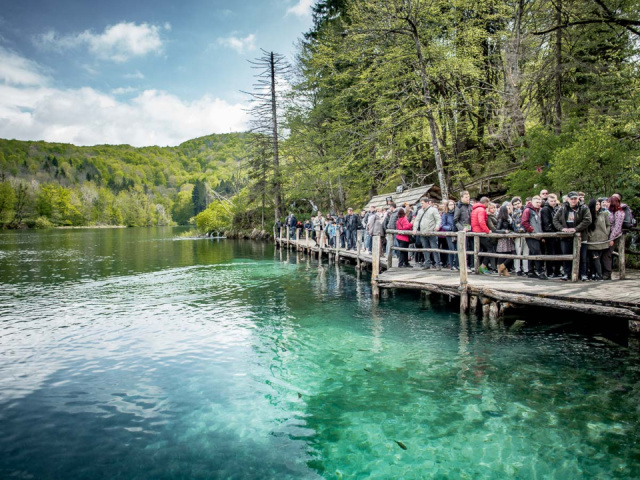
(491,293)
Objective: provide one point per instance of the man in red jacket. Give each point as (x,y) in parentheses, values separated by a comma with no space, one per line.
(479,224)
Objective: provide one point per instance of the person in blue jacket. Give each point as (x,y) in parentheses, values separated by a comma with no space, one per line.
(449,225)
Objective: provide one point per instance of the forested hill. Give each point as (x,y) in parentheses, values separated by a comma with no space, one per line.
(116,184)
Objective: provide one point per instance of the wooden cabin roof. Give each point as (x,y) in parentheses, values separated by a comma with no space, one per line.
(411,196)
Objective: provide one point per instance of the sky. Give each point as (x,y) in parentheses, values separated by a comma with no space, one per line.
(143,72)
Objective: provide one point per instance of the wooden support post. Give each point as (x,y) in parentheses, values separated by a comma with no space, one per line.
(375,259)
(320,243)
(634,326)
(476,257)
(357,251)
(288,242)
(298,239)
(306,239)
(390,255)
(473,304)
(464,301)
(575,265)
(275,239)
(485,310)
(337,248)
(494,310)
(622,257)
(462,258)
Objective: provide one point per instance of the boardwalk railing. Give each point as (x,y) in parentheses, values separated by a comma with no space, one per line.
(284,238)
(476,253)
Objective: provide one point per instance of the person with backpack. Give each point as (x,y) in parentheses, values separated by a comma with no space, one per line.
(403,240)
(352,225)
(616,219)
(390,224)
(629,222)
(573,218)
(521,266)
(449,225)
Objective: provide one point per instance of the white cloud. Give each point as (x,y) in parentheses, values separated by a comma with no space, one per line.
(31,110)
(240,45)
(17,70)
(123,90)
(137,75)
(301,9)
(117,43)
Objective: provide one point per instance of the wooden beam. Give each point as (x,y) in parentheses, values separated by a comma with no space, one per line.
(575,266)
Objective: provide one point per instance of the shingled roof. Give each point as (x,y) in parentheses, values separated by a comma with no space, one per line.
(411,196)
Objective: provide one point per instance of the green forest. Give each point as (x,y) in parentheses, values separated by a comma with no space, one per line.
(498,97)
(50,184)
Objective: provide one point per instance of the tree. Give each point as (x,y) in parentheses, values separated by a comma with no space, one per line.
(216,218)
(7,198)
(266,100)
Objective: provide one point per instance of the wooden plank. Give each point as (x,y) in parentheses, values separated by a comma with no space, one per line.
(462,258)
(575,266)
(375,263)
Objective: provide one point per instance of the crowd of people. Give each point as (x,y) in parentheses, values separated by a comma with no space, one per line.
(599,222)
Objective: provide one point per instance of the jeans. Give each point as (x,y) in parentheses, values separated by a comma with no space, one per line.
(552,248)
(368,240)
(521,249)
(351,239)
(431,242)
(595,257)
(535,248)
(567,249)
(453,257)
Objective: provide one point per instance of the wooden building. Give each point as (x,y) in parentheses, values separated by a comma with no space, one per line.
(411,195)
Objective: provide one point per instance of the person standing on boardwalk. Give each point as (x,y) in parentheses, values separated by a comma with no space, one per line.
(505,245)
(403,240)
(598,238)
(318,226)
(532,223)
(479,224)
(365,223)
(428,221)
(449,225)
(462,220)
(352,225)
(551,245)
(390,224)
(616,219)
(292,223)
(521,266)
(573,218)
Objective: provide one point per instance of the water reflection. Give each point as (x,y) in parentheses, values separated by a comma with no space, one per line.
(219,360)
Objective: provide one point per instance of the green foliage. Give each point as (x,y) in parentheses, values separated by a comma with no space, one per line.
(216,218)
(43,223)
(7,199)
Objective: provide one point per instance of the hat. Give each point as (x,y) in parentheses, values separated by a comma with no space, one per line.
(572,195)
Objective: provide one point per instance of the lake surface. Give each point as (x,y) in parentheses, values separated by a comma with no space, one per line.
(129,354)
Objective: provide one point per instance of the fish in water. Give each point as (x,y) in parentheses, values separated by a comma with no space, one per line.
(367,370)
(299,395)
(401,445)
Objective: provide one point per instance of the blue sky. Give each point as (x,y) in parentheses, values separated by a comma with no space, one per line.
(142,72)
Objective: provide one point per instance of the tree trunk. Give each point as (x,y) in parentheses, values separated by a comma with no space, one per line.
(426,96)
(558,72)
(277,185)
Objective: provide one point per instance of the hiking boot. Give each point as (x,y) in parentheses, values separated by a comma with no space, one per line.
(520,273)
(564,278)
(584,278)
(543,276)
(502,270)
(532,275)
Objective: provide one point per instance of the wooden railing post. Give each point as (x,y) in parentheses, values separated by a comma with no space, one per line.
(358,249)
(297,239)
(462,258)
(390,254)
(375,259)
(337,258)
(575,266)
(306,238)
(320,243)
(622,257)
(287,240)
(476,251)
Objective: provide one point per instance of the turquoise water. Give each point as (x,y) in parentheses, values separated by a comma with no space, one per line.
(128,354)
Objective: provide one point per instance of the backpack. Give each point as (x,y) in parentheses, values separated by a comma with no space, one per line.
(629,221)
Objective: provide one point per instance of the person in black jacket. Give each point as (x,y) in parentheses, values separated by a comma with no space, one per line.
(292,223)
(551,245)
(352,225)
(573,218)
